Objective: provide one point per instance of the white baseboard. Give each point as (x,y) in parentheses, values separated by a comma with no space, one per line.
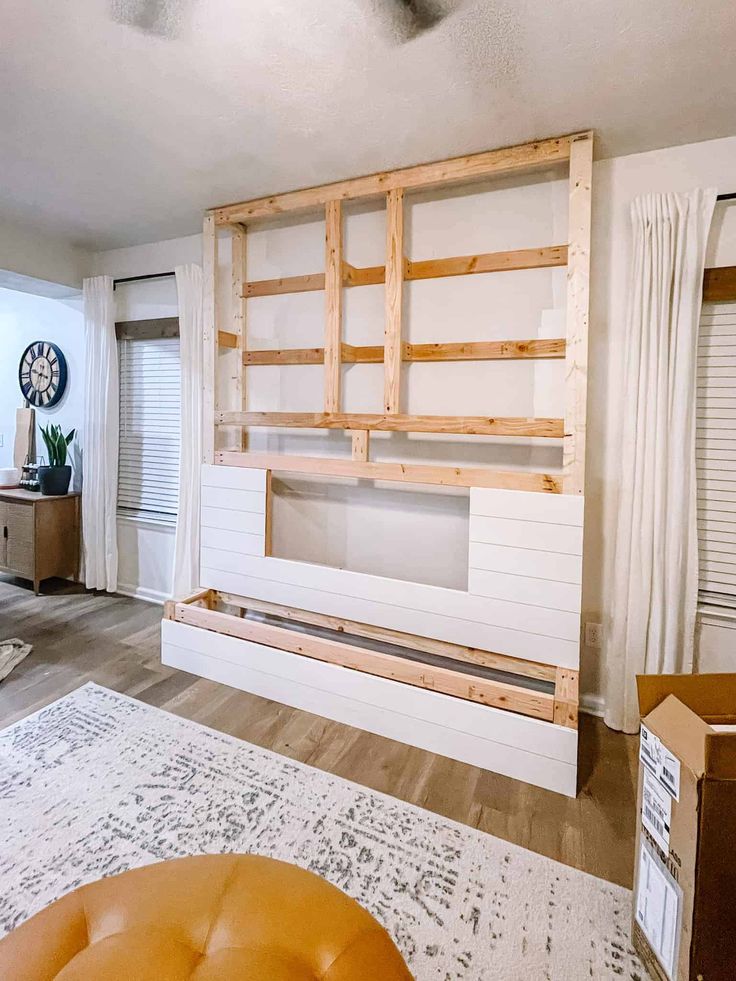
(141,593)
(593,704)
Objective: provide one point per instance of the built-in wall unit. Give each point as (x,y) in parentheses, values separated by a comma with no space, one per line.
(392,509)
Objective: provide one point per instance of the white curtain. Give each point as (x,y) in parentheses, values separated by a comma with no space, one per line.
(186,545)
(101,423)
(655,574)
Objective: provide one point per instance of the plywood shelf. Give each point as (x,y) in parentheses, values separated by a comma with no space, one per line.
(456,425)
(460,265)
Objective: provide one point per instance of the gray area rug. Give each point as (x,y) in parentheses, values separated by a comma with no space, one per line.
(97,783)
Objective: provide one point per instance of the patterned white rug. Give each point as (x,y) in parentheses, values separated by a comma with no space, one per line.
(97,783)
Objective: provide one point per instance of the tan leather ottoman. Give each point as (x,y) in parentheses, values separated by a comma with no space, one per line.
(207,918)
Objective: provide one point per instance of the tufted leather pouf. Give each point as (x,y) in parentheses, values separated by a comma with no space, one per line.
(207,918)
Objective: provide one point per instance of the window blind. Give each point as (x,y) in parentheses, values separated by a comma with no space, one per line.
(150,418)
(716,454)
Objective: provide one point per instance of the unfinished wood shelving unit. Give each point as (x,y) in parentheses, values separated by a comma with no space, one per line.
(489,675)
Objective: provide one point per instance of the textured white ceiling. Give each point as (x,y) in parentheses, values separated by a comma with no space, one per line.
(111,136)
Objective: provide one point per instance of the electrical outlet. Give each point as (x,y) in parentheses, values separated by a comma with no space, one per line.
(592,635)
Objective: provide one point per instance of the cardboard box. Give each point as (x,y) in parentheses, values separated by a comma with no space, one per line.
(684,924)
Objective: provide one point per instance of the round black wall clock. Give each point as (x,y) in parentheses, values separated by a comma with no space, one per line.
(42,374)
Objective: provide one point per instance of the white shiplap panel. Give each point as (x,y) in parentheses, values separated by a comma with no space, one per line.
(424,622)
(396,592)
(251,522)
(237,478)
(562,509)
(525,589)
(541,535)
(232,499)
(237,542)
(519,747)
(526,562)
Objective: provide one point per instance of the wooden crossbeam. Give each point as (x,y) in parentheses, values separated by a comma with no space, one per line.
(553,347)
(394,300)
(530,156)
(333,305)
(386,635)
(498,694)
(459,265)
(488,262)
(396,472)
(456,425)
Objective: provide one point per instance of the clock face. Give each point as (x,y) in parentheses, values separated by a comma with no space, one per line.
(42,374)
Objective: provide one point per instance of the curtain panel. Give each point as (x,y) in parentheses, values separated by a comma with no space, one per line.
(186,544)
(655,573)
(101,425)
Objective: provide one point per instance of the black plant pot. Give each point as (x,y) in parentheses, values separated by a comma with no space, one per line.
(54,481)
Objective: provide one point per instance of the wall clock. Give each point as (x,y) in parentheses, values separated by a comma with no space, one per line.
(42,374)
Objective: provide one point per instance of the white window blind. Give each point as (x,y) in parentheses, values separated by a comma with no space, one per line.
(150,414)
(716,455)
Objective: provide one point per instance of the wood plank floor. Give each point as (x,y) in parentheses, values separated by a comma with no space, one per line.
(114,641)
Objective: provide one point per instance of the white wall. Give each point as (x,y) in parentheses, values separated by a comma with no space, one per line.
(146,549)
(25,318)
(31,253)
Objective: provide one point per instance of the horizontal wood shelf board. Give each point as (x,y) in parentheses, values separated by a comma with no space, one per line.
(400,472)
(455,425)
(457,170)
(533,348)
(497,694)
(460,265)
(719,284)
(458,652)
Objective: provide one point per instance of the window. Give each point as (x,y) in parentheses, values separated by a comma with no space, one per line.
(150,413)
(716,455)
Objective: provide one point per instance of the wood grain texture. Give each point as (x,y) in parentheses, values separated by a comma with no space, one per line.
(209,337)
(566,698)
(114,641)
(442,648)
(373,354)
(333,305)
(539,705)
(463,425)
(461,265)
(394,301)
(719,284)
(456,170)
(238,267)
(402,472)
(578,304)
(466,265)
(360,444)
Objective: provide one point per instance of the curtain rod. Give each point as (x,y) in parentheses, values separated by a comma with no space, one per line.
(140,279)
(726,197)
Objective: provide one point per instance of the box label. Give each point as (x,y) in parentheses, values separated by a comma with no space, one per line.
(656,811)
(658,908)
(661,763)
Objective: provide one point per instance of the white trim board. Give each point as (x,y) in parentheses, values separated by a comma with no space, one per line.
(517,746)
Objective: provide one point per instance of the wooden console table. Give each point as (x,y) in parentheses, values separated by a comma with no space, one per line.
(40,535)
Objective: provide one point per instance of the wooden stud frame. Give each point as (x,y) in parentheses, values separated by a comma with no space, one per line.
(558,704)
(575,150)
(540,692)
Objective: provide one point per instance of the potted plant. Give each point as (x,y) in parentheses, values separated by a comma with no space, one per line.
(54,479)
